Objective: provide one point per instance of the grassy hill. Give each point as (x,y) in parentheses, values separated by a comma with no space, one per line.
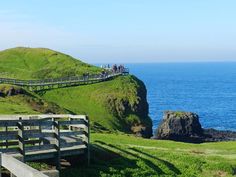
(116,105)
(123,155)
(24,102)
(119,104)
(40,63)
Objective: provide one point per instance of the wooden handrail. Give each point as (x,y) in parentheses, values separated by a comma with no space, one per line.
(18,168)
(66,80)
(51,135)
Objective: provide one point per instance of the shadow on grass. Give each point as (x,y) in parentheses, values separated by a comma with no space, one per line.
(102,160)
(166,163)
(113,160)
(149,163)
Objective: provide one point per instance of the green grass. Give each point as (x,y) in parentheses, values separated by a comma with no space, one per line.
(116,105)
(179,114)
(126,155)
(40,63)
(111,105)
(27,103)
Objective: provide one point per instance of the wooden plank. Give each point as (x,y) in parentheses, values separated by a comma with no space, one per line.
(15,143)
(46,155)
(72,122)
(72,152)
(14,150)
(39,135)
(9,123)
(11,135)
(72,133)
(39,148)
(19,168)
(71,144)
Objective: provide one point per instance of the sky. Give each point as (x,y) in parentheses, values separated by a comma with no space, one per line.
(124,31)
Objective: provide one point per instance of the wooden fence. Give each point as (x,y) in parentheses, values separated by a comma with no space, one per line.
(18,168)
(36,137)
(37,85)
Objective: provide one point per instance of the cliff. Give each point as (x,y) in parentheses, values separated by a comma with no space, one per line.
(116,105)
(185,127)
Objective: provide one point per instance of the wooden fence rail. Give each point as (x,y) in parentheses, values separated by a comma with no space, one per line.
(36,85)
(36,137)
(18,168)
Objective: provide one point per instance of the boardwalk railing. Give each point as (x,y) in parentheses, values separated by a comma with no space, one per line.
(36,137)
(62,82)
(18,168)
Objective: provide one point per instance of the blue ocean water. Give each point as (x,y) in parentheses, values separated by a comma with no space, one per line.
(208,89)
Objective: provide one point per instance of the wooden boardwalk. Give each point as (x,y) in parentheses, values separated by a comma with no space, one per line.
(37,137)
(37,85)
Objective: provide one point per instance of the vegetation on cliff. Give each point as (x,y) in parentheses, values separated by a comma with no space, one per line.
(16,100)
(116,105)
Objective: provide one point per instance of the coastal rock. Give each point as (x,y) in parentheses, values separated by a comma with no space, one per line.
(180,126)
(185,127)
(213,135)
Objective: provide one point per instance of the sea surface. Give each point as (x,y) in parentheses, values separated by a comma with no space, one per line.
(208,89)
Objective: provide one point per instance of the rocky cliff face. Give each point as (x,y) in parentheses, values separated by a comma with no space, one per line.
(180,126)
(141,109)
(116,105)
(132,107)
(185,126)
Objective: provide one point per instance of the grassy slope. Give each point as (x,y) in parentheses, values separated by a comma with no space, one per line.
(40,63)
(123,155)
(103,102)
(27,103)
(117,155)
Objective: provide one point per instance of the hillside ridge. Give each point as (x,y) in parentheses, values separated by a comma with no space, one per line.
(119,104)
(40,63)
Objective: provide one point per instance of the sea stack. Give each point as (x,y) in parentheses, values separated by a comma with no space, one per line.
(180,126)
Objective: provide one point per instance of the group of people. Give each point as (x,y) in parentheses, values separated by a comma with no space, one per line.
(114,69)
(118,68)
(106,70)
(86,76)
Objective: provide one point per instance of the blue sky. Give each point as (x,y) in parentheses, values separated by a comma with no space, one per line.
(123,30)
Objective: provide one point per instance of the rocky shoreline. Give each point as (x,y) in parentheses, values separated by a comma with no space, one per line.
(185,127)
(213,135)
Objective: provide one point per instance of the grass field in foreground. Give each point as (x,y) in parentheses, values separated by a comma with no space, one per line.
(124,155)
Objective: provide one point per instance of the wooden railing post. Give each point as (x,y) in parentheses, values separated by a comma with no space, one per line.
(6,130)
(88,140)
(40,131)
(0,164)
(70,127)
(57,143)
(21,140)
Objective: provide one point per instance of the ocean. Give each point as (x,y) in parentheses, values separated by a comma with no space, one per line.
(208,89)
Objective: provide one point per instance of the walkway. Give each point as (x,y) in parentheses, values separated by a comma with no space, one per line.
(37,85)
(37,137)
